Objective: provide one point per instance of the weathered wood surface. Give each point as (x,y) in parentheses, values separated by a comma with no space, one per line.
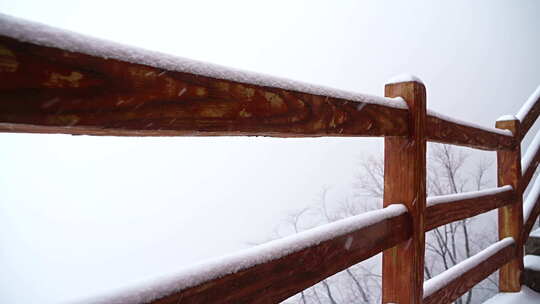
(444,213)
(459,286)
(511,216)
(280,279)
(50,90)
(529,119)
(405,182)
(529,171)
(448,132)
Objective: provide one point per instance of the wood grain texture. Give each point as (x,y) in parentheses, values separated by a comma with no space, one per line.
(448,132)
(277,280)
(511,216)
(405,182)
(444,213)
(51,90)
(459,286)
(530,118)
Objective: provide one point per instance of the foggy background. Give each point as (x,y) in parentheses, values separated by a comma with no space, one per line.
(81,215)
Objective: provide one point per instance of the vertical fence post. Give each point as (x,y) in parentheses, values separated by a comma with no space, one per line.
(511,216)
(405,182)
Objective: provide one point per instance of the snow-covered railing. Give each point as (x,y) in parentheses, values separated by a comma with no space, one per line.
(527,116)
(447,130)
(530,161)
(277,270)
(515,218)
(457,280)
(54,81)
(531,208)
(445,209)
(84,85)
(529,112)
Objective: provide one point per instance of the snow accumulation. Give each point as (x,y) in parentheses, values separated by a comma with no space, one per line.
(530,200)
(532,149)
(443,279)
(535,233)
(44,35)
(525,296)
(527,106)
(532,262)
(469,124)
(435,200)
(403,78)
(215,268)
(507,117)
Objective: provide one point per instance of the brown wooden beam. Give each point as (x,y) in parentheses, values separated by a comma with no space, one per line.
(49,90)
(277,280)
(529,119)
(448,132)
(446,212)
(468,279)
(405,182)
(511,216)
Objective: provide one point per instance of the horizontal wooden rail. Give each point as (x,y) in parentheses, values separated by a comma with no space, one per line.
(530,161)
(445,209)
(55,90)
(445,130)
(529,112)
(60,82)
(281,268)
(456,281)
(52,85)
(531,209)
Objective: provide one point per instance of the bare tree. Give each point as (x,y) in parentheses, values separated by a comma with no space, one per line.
(355,284)
(447,245)
(449,172)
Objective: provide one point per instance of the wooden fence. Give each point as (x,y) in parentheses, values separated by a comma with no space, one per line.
(48,88)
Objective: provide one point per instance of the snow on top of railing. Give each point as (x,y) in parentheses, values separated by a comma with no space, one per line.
(403,78)
(527,106)
(525,296)
(532,149)
(507,117)
(469,124)
(530,200)
(45,35)
(219,267)
(531,262)
(440,281)
(441,199)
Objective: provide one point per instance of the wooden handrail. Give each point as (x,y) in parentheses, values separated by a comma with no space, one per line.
(60,91)
(72,86)
(456,281)
(445,130)
(529,112)
(530,161)
(275,271)
(442,210)
(531,209)
(82,93)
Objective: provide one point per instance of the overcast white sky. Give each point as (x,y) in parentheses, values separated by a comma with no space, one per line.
(80,215)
